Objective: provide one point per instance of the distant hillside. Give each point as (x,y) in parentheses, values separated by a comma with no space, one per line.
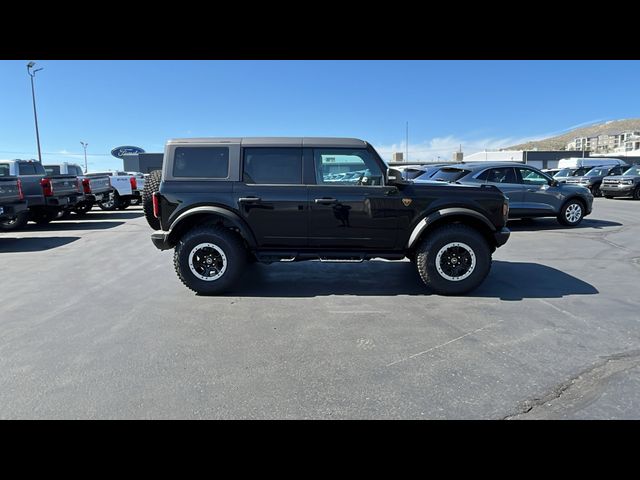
(560,142)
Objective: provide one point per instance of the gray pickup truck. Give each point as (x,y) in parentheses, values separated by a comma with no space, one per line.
(625,185)
(46,195)
(12,202)
(94,189)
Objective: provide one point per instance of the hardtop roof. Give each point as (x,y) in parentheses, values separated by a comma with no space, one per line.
(276,141)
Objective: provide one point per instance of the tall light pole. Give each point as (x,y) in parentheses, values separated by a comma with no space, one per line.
(30,65)
(84,145)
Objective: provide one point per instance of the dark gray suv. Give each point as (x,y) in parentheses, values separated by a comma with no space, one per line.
(531,192)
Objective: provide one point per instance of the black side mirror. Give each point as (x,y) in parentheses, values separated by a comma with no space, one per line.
(554,182)
(394,177)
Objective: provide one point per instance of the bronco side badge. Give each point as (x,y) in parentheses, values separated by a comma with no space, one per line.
(406,202)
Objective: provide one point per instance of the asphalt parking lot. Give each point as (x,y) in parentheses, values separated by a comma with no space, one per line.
(95,324)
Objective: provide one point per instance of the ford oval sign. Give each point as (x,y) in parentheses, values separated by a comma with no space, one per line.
(118,152)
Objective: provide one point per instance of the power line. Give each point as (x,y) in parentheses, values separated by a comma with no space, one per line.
(60,153)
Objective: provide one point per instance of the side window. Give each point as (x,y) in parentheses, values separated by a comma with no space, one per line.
(73,170)
(616,171)
(531,177)
(274,166)
(201,162)
(4,170)
(346,167)
(498,175)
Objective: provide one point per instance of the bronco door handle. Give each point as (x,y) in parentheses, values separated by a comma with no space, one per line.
(326,201)
(249,199)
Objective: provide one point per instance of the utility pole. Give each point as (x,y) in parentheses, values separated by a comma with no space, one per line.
(84,145)
(30,65)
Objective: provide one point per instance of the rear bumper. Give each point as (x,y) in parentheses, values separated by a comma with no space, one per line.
(160,239)
(62,201)
(502,236)
(12,209)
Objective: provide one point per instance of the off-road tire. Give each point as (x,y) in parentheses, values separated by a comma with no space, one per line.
(151,185)
(636,193)
(227,241)
(563,214)
(596,191)
(15,223)
(427,252)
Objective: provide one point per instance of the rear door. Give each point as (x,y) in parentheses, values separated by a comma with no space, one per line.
(272,197)
(506,180)
(349,205)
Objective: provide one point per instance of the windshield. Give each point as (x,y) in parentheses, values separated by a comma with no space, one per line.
(633,171)
(449,174)
(597,172)
(565,172)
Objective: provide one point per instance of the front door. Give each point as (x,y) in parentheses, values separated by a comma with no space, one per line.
(349,206)
(272,197)
(539,198)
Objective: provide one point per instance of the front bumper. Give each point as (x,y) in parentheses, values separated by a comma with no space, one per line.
(12,209)
(502,236)
(160,239)
(617,191)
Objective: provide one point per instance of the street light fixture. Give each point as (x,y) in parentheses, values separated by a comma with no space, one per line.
(30,65)
(84,145)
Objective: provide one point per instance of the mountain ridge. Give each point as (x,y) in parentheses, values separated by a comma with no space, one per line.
(559,142)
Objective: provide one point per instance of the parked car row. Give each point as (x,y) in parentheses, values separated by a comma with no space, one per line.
(31,191)
(567,195)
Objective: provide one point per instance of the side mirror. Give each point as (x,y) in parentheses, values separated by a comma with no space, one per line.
(554,183)
(394,177)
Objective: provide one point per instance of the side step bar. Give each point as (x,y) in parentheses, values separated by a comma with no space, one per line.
(338,257)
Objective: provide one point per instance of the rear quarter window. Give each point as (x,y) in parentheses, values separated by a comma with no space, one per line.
(201,162)
(449,174)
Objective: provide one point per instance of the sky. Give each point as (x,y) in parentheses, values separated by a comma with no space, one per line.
(477,104)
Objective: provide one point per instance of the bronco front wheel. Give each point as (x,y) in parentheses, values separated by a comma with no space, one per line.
(453,259)
(209,260)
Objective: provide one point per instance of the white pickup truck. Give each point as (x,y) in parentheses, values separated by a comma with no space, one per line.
(126,189)
(93,189)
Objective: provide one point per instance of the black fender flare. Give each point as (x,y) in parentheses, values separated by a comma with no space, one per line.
(445,212)
(227,214)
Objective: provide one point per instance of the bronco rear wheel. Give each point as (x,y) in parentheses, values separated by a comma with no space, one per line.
(453,259)
(209,260)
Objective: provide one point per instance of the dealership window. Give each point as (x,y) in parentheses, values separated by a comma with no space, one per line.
(275,166)
(204,162)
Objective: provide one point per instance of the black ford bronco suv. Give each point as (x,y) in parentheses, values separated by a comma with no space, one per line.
(223,202)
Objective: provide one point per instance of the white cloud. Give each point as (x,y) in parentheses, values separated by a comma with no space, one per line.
(444,147)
